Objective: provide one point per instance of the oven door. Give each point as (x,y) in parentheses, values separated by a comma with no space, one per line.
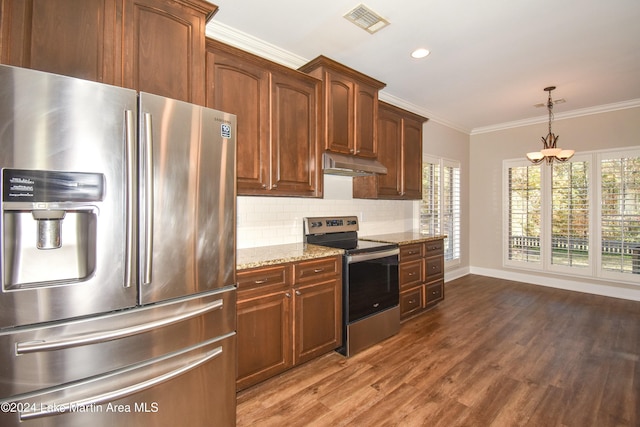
(371,283)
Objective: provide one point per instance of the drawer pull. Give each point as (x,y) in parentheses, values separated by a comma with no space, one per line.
(260,282)
(318,270)
(413,252)
(413,273)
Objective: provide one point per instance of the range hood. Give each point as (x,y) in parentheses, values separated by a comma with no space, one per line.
(342,164)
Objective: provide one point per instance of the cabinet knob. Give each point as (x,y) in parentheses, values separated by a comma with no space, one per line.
(264,185)
(351,150)
(288,295)
(274,186)
(298,293)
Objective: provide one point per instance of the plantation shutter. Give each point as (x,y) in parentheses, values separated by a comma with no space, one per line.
(524,213)
(620,214)
(570,214)
(451,210)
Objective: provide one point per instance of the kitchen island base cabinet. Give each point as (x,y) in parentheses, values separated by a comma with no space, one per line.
(421,272)
(287,314)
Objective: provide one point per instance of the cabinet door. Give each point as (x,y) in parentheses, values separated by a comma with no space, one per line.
(318,319)
(68,37)
(263,337)
(240,87)
(366,144)
(164,49)
(412,159)
(389,153)
(294,135)
(340,114)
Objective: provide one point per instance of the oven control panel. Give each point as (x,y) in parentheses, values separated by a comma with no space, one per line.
(332,224)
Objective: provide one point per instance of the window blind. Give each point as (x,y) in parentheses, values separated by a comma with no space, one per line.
(570,214)
(524,213)
(620,214)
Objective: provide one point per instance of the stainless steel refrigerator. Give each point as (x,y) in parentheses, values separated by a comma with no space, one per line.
(117,256)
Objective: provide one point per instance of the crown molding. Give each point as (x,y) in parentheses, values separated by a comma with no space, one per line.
(633,103)
(249,43)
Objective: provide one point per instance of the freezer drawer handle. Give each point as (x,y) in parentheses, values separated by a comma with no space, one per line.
(37,346)
(119,394)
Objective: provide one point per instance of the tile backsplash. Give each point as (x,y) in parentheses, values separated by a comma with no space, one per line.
(264,221)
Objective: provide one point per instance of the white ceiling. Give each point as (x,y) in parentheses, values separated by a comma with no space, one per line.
(490,60)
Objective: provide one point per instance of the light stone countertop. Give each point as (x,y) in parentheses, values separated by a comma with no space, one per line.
(280,254)
(403,238)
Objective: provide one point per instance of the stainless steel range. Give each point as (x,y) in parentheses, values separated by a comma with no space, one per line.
(370,281)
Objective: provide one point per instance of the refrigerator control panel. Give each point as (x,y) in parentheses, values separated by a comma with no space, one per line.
(20,185)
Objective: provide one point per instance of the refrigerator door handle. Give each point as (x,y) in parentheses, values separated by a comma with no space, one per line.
(111,396)
(130,147)
(148,195)
(94,338)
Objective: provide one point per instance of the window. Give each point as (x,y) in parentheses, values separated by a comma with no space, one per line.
(620,233)
(581,217)
(524,213)
(440,206)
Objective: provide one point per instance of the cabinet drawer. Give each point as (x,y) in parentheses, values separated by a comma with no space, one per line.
(260,277)
(434,247)
(434,268)
(410,274)
(313,270)
(434,292)
(411,252)
(410,302)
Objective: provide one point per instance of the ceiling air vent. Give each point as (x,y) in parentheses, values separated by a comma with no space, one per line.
(366,19)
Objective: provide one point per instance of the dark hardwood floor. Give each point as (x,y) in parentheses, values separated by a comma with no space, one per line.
(493,353)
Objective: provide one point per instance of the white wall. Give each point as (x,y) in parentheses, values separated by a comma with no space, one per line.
(487,151)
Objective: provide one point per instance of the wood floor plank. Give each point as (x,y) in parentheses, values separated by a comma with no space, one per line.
(493,353)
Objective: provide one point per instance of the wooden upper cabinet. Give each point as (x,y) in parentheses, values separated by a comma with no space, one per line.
(155,46)
(350,107)
(294,134)
(164,47)
(412,157)
(68,37)
(278,121)
(400,150)
(241,87)
(390,153)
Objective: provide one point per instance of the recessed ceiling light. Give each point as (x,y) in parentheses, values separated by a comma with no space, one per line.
(420,53)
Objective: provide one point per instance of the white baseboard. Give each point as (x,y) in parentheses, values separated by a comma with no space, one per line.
(614,291)
(455,273)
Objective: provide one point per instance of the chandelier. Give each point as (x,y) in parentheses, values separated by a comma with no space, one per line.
(550,152)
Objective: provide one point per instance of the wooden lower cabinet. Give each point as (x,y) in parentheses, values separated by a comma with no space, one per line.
(286,315)
(421,271)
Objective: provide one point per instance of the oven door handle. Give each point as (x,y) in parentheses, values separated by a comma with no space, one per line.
(371,255)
